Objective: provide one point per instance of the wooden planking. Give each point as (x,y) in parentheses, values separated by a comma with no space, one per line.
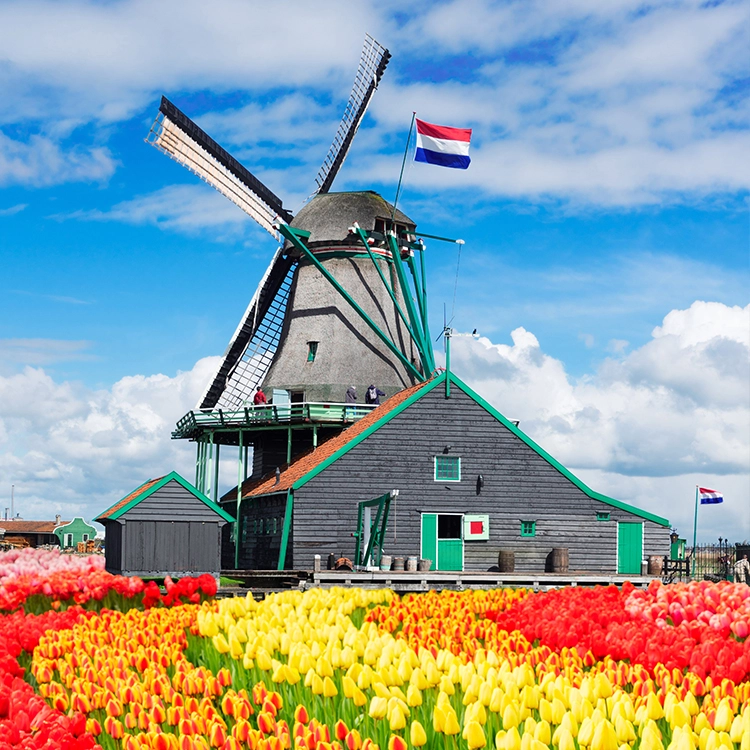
(518,485)
(173,502)
(184,546)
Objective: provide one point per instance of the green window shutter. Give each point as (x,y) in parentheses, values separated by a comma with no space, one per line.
(528,528)
(602,515)
(447,469)
(312,350)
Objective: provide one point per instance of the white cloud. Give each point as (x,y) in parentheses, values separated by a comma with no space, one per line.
(42,351)
(13,210)
(40,162)
(72,450)
(189,209)
(676,408)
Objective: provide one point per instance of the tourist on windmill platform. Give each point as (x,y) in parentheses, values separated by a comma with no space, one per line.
(373,395)
(351,395)
(259,397)
(742,570)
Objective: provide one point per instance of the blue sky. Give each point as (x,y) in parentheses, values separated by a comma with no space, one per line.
(606,263)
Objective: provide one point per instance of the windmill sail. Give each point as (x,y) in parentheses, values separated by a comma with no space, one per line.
(176,135)
(372,65)
(254,343)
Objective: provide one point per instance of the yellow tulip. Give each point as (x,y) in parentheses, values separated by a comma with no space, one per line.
(605,737)
(413,696)
(359,698)
(496,700)
(474,735)
(586,732)
(446,686)
(417,734)
(510,741)
(451,725)
(680,716)
(510,717)
(378,707)
(263,659)
(624,730)
(220,643)
(565,740)
(316,685)
(543,732)
(438,718)
(396,718)
(329,688)
(724,716)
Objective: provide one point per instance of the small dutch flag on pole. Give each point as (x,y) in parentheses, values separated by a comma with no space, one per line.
(710,497)
(704,496)
(443,146)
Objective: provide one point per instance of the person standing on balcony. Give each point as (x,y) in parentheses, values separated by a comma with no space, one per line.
(373,395)
(350,398)
(260,398)
(742,570)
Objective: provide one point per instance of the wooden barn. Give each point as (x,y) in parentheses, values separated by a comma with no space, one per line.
(164,527)
(471,485)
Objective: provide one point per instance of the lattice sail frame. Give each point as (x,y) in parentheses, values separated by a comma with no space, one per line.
(372,65)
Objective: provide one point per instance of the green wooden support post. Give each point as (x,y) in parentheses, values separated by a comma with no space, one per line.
(197,464)
(419,286)
(285,531)
(293,235)
(288,445)
(215,488)
(315,435)
(363,238)
(238,516)
(409,302)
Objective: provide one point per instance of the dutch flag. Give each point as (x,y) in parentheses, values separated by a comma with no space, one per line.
(709,497)
(444,146)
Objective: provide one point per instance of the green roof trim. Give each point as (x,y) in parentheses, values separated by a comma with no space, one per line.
(173,475)
(554,462)
(428,386)
(431,385)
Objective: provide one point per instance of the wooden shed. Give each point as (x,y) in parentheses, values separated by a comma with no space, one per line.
(164,527)
(471,485)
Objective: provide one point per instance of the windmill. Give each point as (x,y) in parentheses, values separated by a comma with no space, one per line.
(342,302)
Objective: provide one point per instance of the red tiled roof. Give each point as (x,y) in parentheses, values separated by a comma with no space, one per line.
(17,526)
(315,456)
(138,491)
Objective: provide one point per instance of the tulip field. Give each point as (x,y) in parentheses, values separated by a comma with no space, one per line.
(91,660)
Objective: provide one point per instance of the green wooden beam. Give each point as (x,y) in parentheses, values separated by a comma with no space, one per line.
(421,290)
(285,531)
(409,302)
(363,237)
(293,235)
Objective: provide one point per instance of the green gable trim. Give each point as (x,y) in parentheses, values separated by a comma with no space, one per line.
(429,386)
(554,462)
(173,475)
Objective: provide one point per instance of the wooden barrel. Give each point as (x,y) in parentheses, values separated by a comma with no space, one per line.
(560,560)
(655,565)
(424,565)
(506,560)
(411,564)
(398,564)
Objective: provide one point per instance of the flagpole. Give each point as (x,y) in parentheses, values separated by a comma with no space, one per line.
(403,164)
(695,529)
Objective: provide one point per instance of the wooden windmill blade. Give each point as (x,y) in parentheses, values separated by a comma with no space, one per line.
(176,135)
(372,65)
(253,345)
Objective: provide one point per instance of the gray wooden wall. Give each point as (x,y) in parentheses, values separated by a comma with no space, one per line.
(171,531)
(518,485)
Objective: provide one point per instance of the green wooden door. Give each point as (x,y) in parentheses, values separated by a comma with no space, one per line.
(450,554)
(429,538)
(629,547)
